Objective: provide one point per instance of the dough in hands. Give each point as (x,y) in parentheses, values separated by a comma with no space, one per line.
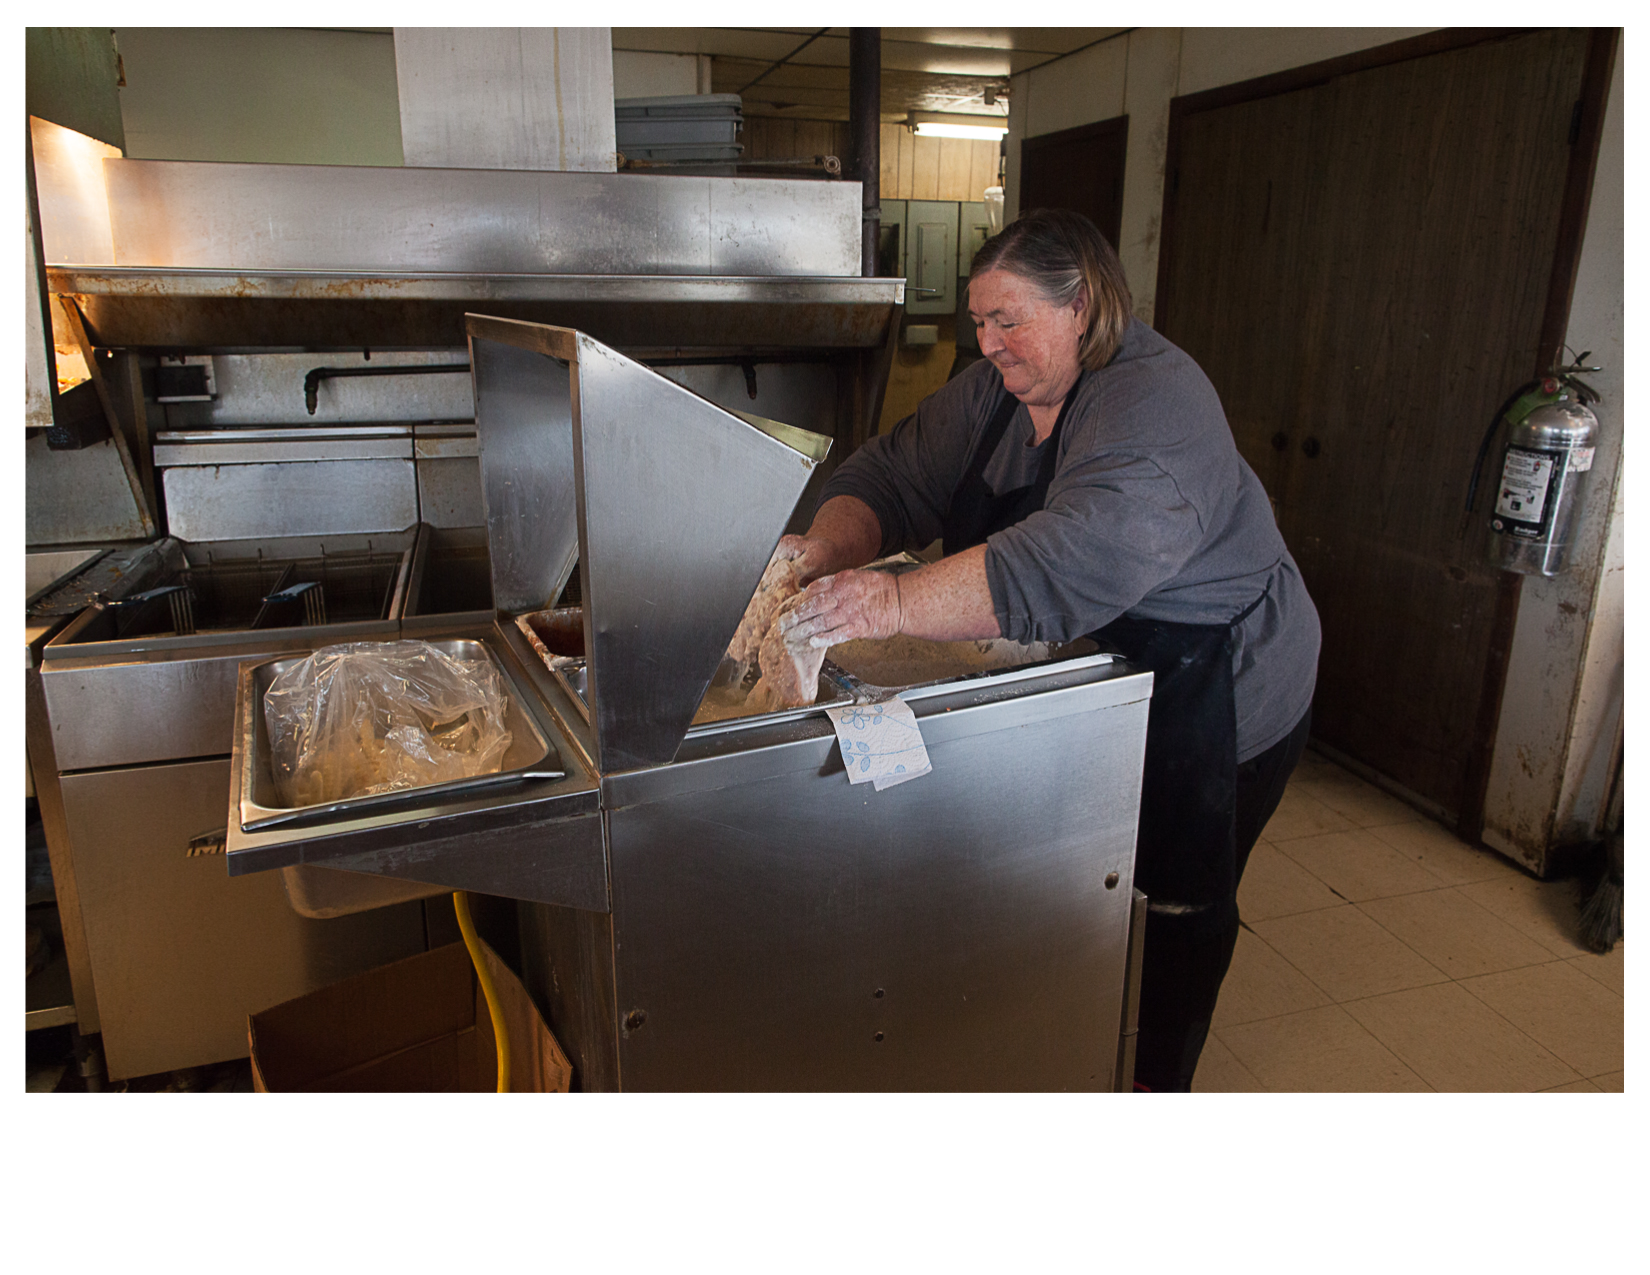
(790,671)
(778,586)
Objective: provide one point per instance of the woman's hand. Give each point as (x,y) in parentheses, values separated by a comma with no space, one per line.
(812,556)
(845,533)
(802,553)
(843,607)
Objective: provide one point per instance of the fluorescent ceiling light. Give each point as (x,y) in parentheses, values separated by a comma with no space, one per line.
(983,128)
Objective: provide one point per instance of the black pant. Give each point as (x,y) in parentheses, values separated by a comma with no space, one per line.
(1188,952)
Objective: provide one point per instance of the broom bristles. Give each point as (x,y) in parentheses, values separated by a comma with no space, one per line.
(1601,918)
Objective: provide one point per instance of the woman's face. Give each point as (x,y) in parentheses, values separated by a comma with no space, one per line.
(1032,341)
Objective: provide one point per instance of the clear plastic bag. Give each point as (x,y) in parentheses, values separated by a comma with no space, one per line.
(371,717)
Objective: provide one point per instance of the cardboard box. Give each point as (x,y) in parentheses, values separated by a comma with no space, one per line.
(417,1026)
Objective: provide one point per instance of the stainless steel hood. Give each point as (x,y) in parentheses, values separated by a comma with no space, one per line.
(171,308)
(339,217)
(246,256)
(672,503)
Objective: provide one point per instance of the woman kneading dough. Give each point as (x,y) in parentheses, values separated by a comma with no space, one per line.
(1084,482)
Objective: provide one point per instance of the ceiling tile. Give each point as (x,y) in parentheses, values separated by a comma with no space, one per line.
(1051,40)
(767,45)
(923,68)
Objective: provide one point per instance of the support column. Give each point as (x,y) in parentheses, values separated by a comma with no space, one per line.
(865,127)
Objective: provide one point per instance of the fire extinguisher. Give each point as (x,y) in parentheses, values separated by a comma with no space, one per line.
(1551,434)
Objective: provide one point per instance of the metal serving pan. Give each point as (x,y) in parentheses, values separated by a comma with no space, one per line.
(531,755)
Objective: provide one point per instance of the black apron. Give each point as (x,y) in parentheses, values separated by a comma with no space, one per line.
(1186,847)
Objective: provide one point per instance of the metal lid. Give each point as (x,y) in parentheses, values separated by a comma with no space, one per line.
(696,106)
(1560,424)
(672,503)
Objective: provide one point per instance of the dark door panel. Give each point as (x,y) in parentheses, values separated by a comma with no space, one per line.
(1080,169)
(1361,264)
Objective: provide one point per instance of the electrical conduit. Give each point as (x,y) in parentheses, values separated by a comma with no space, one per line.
(501,1038)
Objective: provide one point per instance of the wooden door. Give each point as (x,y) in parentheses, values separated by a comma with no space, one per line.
(1080,169)
(1362,266)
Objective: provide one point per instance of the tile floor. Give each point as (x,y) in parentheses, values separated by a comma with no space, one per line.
(1378,953)
(1381,953)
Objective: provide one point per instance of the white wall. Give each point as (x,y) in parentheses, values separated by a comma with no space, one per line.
(1555,744)
(637,74)
(305,96)
(536,98)
(1213,56)
(263,95)
(1553,750)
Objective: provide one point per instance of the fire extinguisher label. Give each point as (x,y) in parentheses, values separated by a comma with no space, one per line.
(1581,460)
(1525,480)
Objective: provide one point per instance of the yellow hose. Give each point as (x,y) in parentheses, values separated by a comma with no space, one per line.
(501,1038)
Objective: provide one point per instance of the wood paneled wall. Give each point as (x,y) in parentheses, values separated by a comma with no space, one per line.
(935,167)
(912,167)
(768,137)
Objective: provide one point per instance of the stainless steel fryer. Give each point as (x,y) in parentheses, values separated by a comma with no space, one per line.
(139,709)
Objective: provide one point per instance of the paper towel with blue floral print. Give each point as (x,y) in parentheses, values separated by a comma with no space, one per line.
(880,743)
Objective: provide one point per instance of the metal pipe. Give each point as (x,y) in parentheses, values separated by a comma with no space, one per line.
(831,165)
(865,129)
(781,62)
(312,382)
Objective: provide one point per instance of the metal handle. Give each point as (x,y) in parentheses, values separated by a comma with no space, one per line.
(459,788)
(313,379)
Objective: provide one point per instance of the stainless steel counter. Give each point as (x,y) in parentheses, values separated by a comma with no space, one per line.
(742,918)
(717,907)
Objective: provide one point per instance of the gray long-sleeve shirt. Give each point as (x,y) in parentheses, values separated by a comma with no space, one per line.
(1151,512)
